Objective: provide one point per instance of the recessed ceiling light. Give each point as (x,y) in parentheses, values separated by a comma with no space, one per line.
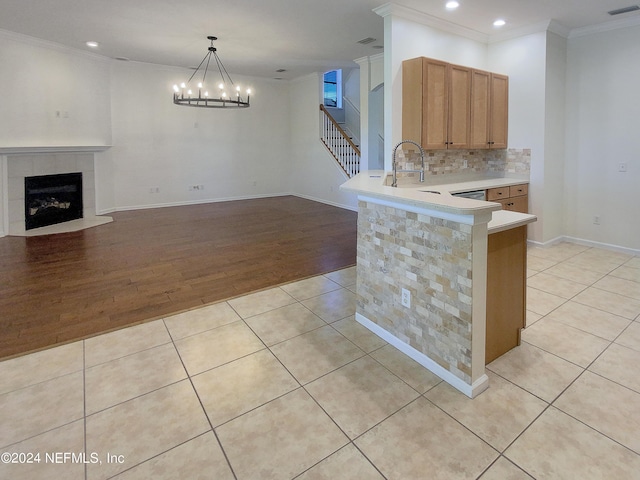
(92,44)
(499,23)
(452,5)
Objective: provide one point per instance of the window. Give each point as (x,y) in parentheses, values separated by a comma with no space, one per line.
(332,89)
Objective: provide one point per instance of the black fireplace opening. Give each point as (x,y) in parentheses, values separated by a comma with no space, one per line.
(51,199)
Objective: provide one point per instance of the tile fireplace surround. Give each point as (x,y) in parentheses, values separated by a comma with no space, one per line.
(18,163)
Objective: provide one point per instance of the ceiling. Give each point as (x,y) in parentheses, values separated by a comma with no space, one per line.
(258,37)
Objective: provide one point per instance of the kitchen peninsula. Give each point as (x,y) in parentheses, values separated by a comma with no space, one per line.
(422,268)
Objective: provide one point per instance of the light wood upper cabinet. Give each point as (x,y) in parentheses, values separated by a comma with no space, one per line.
(480,109)
(458,128)
(499,111)
(435,94)
(436,103)
(451,106)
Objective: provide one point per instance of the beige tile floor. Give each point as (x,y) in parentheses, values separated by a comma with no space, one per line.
(285,384)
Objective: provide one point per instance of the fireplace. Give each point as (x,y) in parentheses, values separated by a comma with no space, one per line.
(51,199)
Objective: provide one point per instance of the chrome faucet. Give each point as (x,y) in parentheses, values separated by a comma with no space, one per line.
(395,165)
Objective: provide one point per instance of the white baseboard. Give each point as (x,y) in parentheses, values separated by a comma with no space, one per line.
(224,199)
(193,202)
(586,243)
(326,202)
(470,390)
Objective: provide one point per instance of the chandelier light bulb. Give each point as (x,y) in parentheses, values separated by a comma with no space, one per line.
(199,84)
(452,5)
(221,86)
(248,91)
(182,85)
(189,92)
(224,95)
(499,23)
(206,94)
(176,88)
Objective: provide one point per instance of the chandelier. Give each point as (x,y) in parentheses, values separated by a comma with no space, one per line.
(224,95)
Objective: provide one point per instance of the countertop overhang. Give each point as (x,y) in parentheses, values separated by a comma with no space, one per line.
(435,194)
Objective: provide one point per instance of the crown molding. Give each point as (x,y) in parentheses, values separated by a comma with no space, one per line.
(38,42)
(546,26)
(605,27)
(407,13)
(370,59)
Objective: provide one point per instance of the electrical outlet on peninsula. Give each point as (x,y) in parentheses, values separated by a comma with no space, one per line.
(406,298)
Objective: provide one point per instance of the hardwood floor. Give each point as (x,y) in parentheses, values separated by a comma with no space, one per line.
(151,263)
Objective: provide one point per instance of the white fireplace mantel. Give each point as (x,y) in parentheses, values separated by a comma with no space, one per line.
(31,149)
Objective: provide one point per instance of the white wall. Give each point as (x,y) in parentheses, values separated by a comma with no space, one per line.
(603,112)
(554,138)
(523,59)
(371,112)
(314,173)
(351,105)
(38,80)
(233,153)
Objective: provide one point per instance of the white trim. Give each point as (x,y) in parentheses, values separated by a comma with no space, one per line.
(470,390)
(39,42)
(197,202)
(4,204)
(430,21)
(454,217)
(605,27)
(544,26)
(586,243)
(224,199)
(326,202)
(29,150)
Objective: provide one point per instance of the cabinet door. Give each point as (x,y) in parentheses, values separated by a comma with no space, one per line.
(518,204)
(434,104)
(459,107)
(499,110)
(412,89)
(480,109)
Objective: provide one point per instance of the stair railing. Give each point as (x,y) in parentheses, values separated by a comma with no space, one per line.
(345,152)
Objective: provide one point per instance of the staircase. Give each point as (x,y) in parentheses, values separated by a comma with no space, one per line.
(339,144)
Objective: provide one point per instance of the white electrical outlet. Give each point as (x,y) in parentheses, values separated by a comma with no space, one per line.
(406,298)
(596,220)
(622,167)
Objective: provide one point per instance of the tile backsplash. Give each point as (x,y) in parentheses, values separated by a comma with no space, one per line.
(440,162)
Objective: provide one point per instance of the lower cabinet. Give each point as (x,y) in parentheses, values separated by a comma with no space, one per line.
(506,291)
(514,197)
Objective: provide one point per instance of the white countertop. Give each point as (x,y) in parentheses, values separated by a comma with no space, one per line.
(435,193)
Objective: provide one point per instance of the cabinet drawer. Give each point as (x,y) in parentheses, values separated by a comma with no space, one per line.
(497,193)
(517,190)
(517,204)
